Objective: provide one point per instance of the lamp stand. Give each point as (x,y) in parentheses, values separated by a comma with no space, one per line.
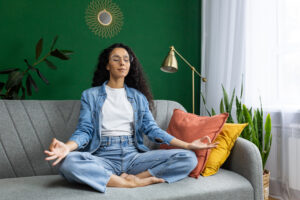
(193,80)
(170,65)
(193,76)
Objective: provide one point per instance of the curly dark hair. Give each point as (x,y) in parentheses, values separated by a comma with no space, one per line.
(135,77)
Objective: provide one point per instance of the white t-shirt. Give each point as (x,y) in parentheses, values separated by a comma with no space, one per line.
(117,113)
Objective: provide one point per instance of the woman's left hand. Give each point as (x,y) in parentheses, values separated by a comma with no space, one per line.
(199,144)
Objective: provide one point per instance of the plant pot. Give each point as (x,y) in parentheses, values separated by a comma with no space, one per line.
(266,179)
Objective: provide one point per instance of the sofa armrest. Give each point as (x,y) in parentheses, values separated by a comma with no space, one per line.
(245,160)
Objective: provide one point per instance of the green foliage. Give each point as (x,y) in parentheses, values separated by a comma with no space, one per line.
(14,83)
(228,105)
(254,132)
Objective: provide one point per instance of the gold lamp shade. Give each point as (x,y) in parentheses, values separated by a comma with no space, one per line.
(170,63)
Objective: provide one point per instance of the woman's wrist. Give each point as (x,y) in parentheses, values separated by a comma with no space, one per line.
(179,143)
(71,145)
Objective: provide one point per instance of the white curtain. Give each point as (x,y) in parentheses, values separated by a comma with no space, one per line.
(260,40)
(272,71)
(222,48)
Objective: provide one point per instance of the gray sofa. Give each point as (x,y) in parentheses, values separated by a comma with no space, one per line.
(28,126)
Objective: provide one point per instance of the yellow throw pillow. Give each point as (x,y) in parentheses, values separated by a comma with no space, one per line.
(226,139)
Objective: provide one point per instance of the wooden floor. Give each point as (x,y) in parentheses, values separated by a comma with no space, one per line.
(272,198)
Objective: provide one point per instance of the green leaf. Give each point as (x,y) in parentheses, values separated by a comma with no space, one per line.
(255,140)
(14,78)
(208,112)
(203,98)
(23,93)
(54,41)
(67,52)
(247,116)
(226,102)
(58,54)
(261,110)
(255,131)
(242,88)
(41,76)
(268,134)
(34,84)
(50,64)
(259,126)
(246,133)
(7,71)
(204,102)
(250,111)
(222,110)
(231,101)
(38,48)
(239,113)
(30,82)
(213,112)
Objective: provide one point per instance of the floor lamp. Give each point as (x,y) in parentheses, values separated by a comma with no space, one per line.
(170,65)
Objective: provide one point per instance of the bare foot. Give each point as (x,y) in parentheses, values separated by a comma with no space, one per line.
(124,175)
(140,182)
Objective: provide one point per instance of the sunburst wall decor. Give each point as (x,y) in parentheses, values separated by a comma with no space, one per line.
(104,18)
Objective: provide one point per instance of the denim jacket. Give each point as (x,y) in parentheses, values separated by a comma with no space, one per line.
(88,131)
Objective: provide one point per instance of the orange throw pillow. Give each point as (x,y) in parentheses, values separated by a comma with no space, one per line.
(189,127)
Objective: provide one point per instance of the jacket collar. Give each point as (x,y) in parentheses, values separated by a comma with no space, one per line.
(102,91)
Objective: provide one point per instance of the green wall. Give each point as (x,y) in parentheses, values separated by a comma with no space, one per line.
(150,28)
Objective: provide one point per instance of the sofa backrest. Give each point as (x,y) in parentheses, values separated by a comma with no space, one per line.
(28,126)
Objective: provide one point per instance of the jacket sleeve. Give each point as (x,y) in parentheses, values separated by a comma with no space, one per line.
(151,129)
(84,129)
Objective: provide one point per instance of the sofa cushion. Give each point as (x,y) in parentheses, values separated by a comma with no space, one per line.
(226,140)
(225,185)
(189,127)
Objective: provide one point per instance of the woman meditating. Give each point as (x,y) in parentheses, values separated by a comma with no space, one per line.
(107,147)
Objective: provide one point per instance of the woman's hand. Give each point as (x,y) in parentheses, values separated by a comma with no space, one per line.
(196,144)
(58,151)
(199,144)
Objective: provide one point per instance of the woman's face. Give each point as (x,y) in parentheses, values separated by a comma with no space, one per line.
(119,63)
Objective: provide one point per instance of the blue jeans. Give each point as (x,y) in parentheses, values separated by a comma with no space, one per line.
(118,155)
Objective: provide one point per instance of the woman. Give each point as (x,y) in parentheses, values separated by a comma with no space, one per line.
(107,147)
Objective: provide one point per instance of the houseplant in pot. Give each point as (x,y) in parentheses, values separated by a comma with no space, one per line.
(257,131)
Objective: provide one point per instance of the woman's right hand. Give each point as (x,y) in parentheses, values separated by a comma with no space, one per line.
(57,150)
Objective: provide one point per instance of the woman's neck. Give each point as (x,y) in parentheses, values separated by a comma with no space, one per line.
(116,83)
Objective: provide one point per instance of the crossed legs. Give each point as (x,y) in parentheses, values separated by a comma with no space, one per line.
(147,168)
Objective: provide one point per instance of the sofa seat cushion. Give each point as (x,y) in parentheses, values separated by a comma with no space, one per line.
(223,185)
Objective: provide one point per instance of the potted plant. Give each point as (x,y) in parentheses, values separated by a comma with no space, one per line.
(257,131)
(14,83)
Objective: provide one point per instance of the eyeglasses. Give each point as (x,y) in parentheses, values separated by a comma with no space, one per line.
(118,59)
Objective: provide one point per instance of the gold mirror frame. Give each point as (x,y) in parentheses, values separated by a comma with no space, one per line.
(104,18)
(102,22)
